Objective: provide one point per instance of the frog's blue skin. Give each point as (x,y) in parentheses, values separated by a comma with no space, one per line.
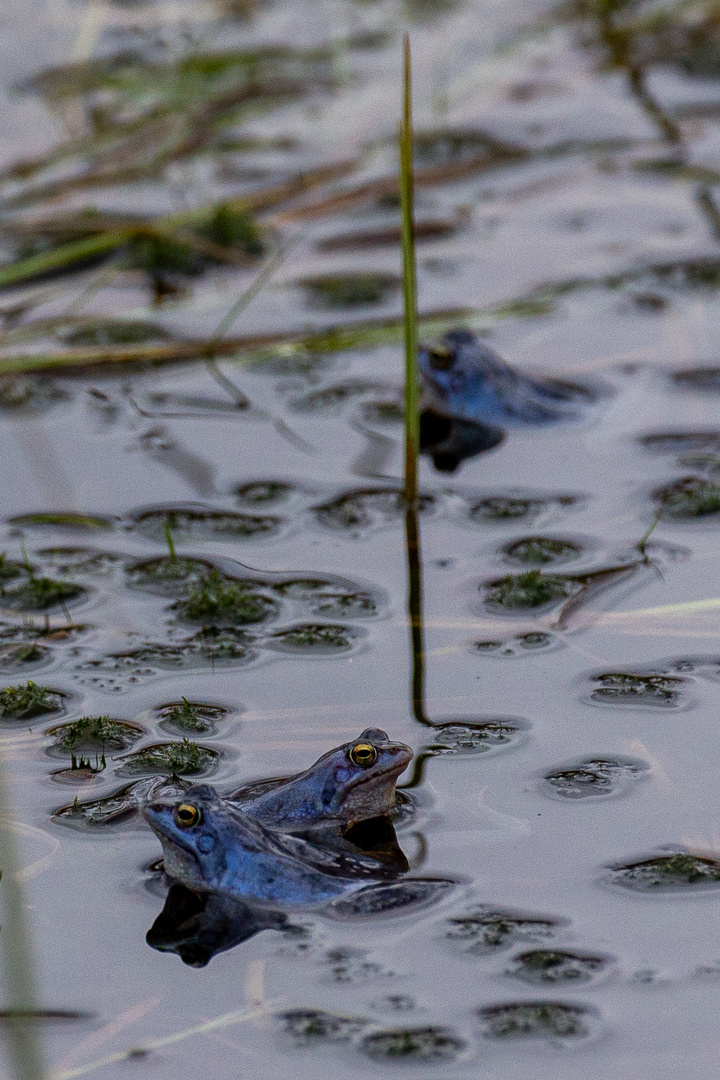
(230,853)
(464,379)
(334,789)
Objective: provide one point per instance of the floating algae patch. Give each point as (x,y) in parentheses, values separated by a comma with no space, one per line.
(394,897)
(359,512)
(118,807)
(331,598)
(29,701)
(517,644)
(52,520)
(553,1020)
(543,967)
(540,551)
(40,594)
(215,600)
(190,717)
(88,562)
(19,656)
(668,873)
(681,442)
(92,733)
(473,738)
(208,647)
(686,499)
(186,758)
(29,396)
(484,930)
(531,591)
(264,492)
(170,576)
(310,1027)
(628,689)
(594,777)
(317,639)
(417,1045)
(200,524)
(511,508)
(334,291)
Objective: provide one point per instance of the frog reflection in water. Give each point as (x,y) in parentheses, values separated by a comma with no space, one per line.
(352,783)
(211,845)
(465,380)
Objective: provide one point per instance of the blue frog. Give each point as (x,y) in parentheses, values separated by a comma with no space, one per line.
(210,845)
(465,380)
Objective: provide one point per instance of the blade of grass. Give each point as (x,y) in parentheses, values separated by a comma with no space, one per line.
(412,399)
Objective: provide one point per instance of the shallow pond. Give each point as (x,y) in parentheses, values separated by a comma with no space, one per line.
(204,574)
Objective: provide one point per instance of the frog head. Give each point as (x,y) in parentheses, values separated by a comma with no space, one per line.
(197,830)
(352,782)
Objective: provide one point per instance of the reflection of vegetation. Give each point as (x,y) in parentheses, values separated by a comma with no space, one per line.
(691,497)
(29,701)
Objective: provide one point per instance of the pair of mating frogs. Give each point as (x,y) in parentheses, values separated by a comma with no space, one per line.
(288,844)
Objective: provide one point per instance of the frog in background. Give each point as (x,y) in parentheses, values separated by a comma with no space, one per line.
(464,379)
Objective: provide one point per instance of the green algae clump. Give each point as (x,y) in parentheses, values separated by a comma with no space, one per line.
(215,600)
(174,759)
(94,733)
(29,701)
(527,591)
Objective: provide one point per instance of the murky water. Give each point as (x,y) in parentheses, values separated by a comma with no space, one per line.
(211,554)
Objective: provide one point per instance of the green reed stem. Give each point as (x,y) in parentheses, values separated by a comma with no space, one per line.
(412,400)
(412,395)
(19,1027)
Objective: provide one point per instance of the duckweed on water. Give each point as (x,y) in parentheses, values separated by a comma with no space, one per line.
(528,591)
(541,550)
(61,521)
(29,701)
(472,738)
(484,930)
(421,1044)
(40,594)
(216,600)
(167,576)
(189,525)
(535,1020)
(358,512)
(191,716)
(315,637)
(542,966)
(625,688)
(691,497)
(594,777)
(668,873)
(184,758)
(349,290)
(503,509)
(516,645)
(310,1026)
(94,733)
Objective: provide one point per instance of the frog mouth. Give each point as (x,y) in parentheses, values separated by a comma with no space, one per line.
(390,773)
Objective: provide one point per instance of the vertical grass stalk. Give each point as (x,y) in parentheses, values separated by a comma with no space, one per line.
(412,399)
(20,1029)
(412,416)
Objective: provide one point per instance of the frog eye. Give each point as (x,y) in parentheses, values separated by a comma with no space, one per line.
(363,754)
(187,815)
(441,357)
